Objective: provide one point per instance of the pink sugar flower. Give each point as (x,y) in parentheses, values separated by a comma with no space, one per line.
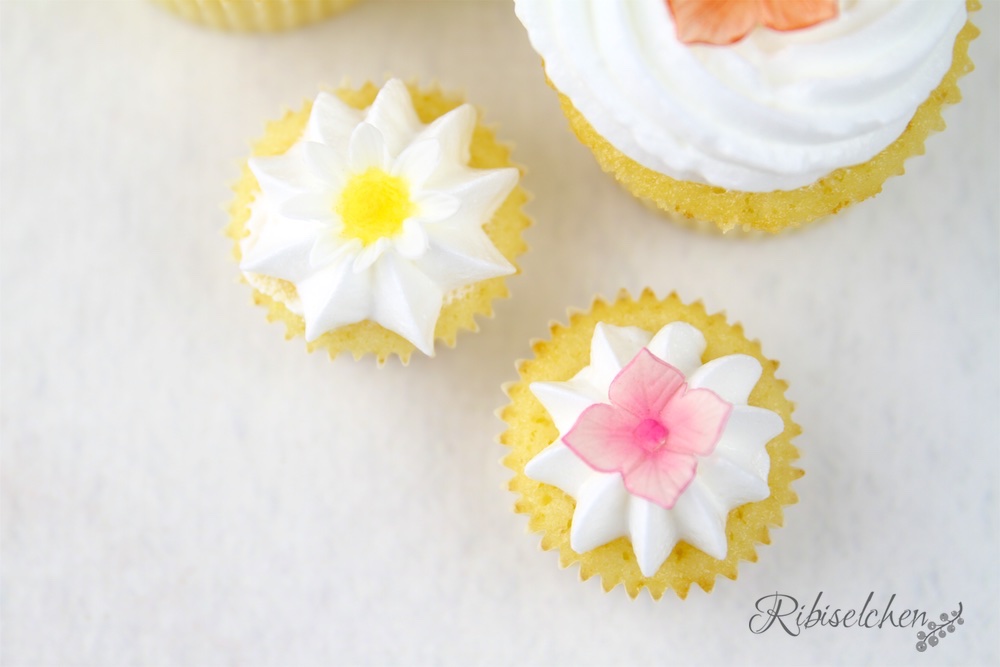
(654,430)
(728,21)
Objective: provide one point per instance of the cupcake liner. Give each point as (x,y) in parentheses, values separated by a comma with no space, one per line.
(775,211)
(461,306)
(530,429)
(255,15)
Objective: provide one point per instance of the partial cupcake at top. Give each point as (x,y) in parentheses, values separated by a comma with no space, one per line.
(255,15)
(761,114)
(651,444)
(378,221)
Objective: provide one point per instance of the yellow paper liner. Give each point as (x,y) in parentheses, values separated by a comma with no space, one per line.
(460,310)
(778,210)
(255,15)
(530,430)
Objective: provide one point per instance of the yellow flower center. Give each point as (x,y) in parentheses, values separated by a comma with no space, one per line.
(374,205)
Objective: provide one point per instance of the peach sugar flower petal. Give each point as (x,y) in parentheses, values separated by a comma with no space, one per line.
(727,21)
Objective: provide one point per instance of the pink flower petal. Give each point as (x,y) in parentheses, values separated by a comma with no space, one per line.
(603,438)
(645,386)
(695,420)
(662,477)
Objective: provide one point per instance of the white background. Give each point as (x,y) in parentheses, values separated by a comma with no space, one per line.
(181,486)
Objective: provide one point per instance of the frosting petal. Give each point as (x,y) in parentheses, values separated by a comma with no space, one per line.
(732,377)
(600,514)
(610,349)
(699,521)
(334,296)
(392,113)
(565,401)
(559,466)
(680,345)
(331,121)
(652,532)
(406,301)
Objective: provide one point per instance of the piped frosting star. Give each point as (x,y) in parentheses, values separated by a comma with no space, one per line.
(654,445)
(373,215)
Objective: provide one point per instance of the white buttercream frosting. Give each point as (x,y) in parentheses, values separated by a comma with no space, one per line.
(300,231)
(775,111)
(734,473)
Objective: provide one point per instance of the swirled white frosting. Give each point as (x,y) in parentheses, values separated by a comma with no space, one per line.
(775,111)
(734,473)
(344,272)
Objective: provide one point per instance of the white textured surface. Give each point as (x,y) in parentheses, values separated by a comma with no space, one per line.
(173,471)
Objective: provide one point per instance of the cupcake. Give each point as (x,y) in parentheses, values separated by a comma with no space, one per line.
(651,444)
(757,115)
(255,15)
(378,221)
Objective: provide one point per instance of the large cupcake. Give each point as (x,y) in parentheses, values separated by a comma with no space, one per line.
(378,221)
(760,114)
(651,444)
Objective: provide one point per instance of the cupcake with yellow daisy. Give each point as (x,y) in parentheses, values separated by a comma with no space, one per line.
(378,221)
(756,114)
(255,15)
(651,444)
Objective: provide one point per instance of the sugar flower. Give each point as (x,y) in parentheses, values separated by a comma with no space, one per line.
(728,21)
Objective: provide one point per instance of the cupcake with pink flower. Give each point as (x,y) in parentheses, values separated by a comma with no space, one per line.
(651,444)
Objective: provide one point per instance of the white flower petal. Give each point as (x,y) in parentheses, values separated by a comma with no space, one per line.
(370,253)
(453,131)
(480,191)
(281,176)
(700,521)
(459,257)
(611,348)
(367,149)
(417,163)
(407,301)
(308,206)
(601,513)
(331,121)
(680,345)
(652,533)
(334,297)
(745,437)
(392,113)
(329,247)
(564,401)
(328,164)
(732,377)
(281,250)
(559,466)
(435,206)
(412,241)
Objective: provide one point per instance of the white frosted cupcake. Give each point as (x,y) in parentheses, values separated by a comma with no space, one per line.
(378,221)
(651,444)
(759,114)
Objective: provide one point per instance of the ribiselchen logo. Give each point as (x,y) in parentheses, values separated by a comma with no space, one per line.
(782,611)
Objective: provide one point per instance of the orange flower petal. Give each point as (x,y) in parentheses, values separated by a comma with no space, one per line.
(796,14)
(714,21)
